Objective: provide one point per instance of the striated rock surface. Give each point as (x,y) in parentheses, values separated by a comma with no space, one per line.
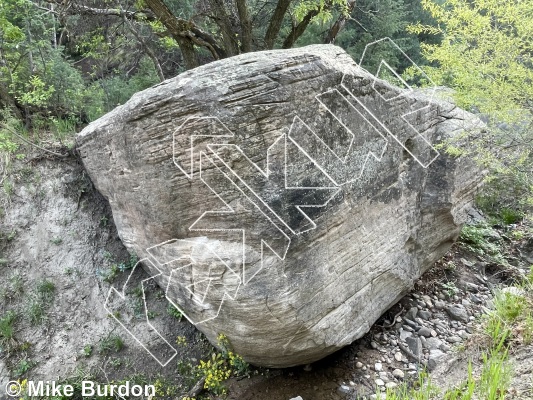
(288,198)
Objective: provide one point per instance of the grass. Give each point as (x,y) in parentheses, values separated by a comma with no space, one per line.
(112,343)
(173,311)
(512,315)
(39,302)
(7,331)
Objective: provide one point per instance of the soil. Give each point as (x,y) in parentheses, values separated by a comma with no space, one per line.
(56,227)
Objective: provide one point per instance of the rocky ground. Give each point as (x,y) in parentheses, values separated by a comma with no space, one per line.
(56,228)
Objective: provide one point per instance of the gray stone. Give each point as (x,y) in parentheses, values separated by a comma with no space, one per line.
(433,343)
(297,398)
(453,339)
(415,345)
(425,315)
(457,313)
(328,271)
(440,305)
(426,332)
(411,313)
(398,374)
(344,389)
(435,356)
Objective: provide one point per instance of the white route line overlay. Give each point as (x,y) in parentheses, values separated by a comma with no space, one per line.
(122,296)
(227,134)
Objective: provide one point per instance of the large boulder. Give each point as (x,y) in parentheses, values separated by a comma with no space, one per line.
(288,198)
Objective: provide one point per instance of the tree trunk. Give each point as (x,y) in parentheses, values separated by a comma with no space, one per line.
(275,23)
(246,26)
(222,20)
(162,12)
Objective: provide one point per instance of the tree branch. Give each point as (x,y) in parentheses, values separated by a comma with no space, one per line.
(339,23)
(299,29)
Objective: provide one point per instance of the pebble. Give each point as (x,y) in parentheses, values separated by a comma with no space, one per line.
(458,313)
(358,364)
(415,345)
(398,373)
(391,385)
(374,345)
(343,389)
(411,314)
(379,382)
(425,315)
(433,343)
(378,367)
(426,332)
(398,356)
(453,339)
(434,358)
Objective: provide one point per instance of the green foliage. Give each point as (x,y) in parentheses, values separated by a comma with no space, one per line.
(7,331)
(481,239)
(87,350)
(112,343)
(324,9)
(221,366)
(485,53)
(173,311)
(486,56)
(23,367)
(39,301)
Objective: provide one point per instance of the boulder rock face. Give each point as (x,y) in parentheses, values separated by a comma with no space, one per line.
(288,198)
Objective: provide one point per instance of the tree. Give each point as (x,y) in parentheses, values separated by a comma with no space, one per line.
(225,28)
(486,56)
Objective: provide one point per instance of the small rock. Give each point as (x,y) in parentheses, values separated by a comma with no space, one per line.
(415,345)
(378,367)
(425,315)
(426,332)
(343,389)
(411,314)
(434,357)
(440,305)
(297,398)
(458,313)
(444,347)
(374,345)
(453,339)
(407,328)
(466,262)
(358,364)
(434,333)
(428,301)
(379,382)
(411,323)
(398,373)
(308,368)
(474,299)
(391,385)
(398,356)
(384,376)
(433,343)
